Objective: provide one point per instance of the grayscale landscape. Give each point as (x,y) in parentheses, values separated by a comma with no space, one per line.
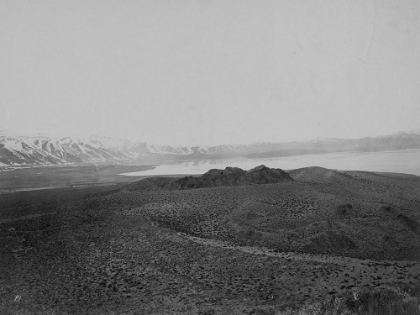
(210,157)
(84,239)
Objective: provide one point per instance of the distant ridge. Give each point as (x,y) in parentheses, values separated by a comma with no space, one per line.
(230,176)
(17,150)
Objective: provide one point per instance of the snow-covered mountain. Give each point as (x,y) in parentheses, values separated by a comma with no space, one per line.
(23,150)
(18,150)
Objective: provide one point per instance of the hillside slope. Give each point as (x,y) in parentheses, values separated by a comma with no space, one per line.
(314,210)
(250,249)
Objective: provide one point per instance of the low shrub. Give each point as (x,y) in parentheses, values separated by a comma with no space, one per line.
(402,300)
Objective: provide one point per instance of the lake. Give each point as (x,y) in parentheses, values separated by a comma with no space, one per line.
(406,161)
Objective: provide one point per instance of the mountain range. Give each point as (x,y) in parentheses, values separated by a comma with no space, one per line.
(16,150)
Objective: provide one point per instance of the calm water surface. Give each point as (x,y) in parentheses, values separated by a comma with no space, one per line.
(407,161)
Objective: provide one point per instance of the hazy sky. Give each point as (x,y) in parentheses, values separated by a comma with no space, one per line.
(210,72)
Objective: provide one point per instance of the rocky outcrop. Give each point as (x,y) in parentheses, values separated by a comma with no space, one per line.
(230,176)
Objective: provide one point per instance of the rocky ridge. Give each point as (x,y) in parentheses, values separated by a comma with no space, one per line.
(230,176)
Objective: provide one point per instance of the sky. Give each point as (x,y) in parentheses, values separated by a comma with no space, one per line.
(210,71)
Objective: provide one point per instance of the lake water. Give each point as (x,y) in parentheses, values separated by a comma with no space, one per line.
(407,161)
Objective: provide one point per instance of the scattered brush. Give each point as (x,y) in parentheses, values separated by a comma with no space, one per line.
(402,300)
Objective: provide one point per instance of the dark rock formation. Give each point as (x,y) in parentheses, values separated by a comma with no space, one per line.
(230,176)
